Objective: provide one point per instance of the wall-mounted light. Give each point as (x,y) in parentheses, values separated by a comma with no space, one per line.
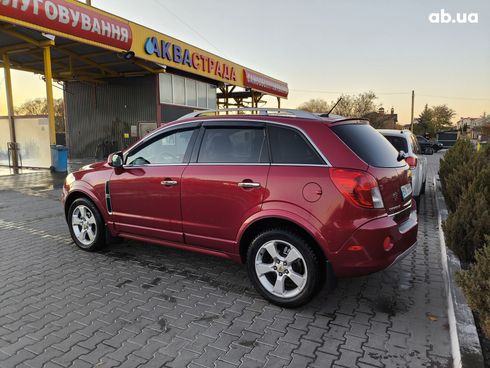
(49,36)
(128,55)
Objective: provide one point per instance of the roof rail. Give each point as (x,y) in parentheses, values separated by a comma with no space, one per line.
(260,110)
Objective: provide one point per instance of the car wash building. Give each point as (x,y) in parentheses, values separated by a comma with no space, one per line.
(119,79)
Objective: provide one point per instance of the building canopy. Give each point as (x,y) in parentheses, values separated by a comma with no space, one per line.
(91,44)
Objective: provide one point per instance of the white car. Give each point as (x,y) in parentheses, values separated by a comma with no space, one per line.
(406,141)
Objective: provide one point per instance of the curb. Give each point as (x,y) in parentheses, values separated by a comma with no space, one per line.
(465,343)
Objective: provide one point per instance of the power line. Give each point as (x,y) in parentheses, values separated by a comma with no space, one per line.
(391,93)
(342,92)
(188,26)
(459,98)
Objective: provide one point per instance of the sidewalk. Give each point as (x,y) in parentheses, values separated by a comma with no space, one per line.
(140,305)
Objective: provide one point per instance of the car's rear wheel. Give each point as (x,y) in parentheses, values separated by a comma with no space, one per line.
(284,268)
(86,225)
(422,190)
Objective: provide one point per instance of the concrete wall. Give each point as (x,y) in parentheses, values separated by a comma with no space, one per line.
(32,135)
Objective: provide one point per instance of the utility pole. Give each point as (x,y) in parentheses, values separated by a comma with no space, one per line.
(411,116)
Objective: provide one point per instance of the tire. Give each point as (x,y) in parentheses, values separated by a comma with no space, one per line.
(267,251)
(417,201)
(422,190)
(88,232)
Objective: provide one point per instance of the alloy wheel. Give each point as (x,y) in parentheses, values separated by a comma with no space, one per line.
(84,225)
(281,268)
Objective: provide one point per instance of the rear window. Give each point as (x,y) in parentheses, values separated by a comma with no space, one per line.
(399,142)
(368,144)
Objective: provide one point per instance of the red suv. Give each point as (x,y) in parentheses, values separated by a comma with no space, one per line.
(286,192)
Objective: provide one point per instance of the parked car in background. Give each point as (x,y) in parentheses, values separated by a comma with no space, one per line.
(288,193)
(405,140)
(427,146)
(447,138)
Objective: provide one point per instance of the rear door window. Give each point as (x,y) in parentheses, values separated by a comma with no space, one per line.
(398,141)
(368,144)
(234,145)
(288,146)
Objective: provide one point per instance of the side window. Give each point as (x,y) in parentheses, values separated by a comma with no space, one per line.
(415,144)
(290,147)
(233,145)
(165,149)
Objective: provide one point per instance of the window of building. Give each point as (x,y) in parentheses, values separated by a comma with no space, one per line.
(165,82)
(202,95)
(178,90)
(178,87)
(190,92)
(211,96)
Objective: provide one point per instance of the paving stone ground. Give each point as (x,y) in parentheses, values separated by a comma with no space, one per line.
(140,305)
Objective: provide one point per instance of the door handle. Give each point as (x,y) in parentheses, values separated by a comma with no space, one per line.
(248,184)
(168,182)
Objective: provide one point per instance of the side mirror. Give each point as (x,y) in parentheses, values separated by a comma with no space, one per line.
(401,156)
(115,159)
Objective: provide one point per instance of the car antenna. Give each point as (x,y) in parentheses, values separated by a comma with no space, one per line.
(333,107)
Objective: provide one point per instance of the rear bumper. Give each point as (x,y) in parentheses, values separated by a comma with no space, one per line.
(363,253)
(403,255)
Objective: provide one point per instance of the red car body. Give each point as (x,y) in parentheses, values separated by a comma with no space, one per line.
(208,212)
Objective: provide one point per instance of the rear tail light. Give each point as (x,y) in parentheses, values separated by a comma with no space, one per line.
(411,161)
(358,187)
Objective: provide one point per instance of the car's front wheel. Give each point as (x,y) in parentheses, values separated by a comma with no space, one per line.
(284,268)
(86,225)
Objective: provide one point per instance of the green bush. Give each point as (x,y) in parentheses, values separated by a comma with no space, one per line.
(459,180)
(456,171)
(476,286)
(466,227)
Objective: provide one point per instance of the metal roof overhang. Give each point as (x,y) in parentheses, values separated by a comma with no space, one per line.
(71,60)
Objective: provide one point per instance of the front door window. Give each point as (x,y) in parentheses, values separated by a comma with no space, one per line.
(163,150)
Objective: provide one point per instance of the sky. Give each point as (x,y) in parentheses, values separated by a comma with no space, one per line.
(323,48)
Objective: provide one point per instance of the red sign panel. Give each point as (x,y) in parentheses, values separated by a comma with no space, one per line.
(71,19)
(263,83)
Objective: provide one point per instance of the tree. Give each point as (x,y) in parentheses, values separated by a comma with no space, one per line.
(355,106)
(364,103)
(442,116)
(434,119)
(315,105)
(424,121)
(39,106)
